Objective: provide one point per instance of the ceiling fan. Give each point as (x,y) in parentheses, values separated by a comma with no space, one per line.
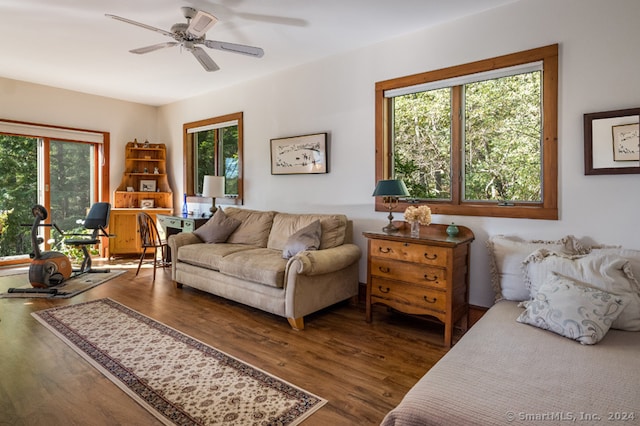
(189,35)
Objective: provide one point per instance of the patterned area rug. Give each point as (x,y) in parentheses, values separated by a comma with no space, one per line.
(67,289)
(178,379)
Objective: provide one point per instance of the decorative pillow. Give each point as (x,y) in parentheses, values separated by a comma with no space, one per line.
(218,228)
(569,309)
(334,228)
(255,227)
(633,256)
(506,254)
(608,273)
(307,238)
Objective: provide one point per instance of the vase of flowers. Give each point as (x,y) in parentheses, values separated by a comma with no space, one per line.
(417,216)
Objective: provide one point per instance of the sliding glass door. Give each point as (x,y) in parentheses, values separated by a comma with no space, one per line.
(18,193)
(71,178)
(61,175)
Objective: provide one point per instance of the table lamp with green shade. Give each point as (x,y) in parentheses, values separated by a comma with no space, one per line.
(391,190)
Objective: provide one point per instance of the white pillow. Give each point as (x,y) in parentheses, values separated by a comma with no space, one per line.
(633,256)
(569,309)
(506,254)
(609,273)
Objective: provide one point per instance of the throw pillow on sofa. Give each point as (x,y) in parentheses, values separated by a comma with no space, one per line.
(307,238)
(218,228)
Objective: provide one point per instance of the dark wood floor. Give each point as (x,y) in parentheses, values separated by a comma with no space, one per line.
(362,369)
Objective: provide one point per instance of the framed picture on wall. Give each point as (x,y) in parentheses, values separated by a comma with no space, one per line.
(147,185)
(612,142)
(299,155)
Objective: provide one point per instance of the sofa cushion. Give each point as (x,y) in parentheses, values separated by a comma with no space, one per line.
(260,265)
(218,228)
(286,224)
(208,255)
(307,238)
(254,229)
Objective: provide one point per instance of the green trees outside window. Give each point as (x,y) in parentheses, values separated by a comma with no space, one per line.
(474,139)
(501,135)
(18,192)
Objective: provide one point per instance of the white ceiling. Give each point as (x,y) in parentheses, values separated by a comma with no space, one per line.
(70,44)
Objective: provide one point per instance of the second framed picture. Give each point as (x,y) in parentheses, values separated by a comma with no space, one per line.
(299,155)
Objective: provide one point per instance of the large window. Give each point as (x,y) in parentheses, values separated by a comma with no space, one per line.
(214,147)
(475,139)
(65,170)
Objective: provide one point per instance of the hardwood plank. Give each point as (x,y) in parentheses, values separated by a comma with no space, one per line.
(363,369)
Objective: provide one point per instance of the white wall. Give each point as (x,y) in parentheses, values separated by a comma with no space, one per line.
(39,104)
(598,72)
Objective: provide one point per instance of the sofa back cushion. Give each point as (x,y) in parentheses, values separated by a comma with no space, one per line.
(285,224)
(254,229)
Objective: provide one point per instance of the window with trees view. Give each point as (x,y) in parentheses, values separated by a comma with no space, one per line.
(62,175)
(213,147)
(475,139)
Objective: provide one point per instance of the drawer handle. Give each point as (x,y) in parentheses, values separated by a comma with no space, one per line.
(433,257)
(384,250)
(383,290)
(426,277)
(426,299)
(384,269)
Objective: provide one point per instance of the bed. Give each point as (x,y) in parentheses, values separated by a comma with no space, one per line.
(507,372)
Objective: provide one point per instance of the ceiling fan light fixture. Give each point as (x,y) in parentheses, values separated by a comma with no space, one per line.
(201,23)
(189,35)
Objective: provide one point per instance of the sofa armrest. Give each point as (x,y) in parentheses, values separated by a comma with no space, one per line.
(176,241)
(317,262)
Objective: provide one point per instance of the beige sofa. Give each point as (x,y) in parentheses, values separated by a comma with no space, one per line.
(249,267)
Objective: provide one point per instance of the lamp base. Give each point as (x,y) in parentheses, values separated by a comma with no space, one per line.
(390,228)
(213,206)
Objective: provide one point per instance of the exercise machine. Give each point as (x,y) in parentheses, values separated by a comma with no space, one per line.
(48,268)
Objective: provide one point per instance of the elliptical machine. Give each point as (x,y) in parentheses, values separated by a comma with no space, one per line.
(49,268)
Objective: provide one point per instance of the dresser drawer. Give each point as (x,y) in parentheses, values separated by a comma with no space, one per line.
(411,272)
(407,294)
(409,252)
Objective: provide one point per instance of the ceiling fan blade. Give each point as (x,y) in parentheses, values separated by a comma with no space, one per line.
(154,47)
(200,23)
(138,24)
(204,59)
(235,48)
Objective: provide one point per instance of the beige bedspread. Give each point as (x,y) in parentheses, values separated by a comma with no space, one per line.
(504,372)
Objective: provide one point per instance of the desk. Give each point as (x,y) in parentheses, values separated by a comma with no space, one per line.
(175,224)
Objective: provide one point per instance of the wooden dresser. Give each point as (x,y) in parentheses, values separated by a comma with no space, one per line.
(425,275)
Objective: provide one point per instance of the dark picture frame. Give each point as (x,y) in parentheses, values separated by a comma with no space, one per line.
(305,154)
(147,185)
(604,154)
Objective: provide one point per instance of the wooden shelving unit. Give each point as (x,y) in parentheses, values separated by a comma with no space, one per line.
(144,187)
(144,163)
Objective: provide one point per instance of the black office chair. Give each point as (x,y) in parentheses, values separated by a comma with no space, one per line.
(96,221)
